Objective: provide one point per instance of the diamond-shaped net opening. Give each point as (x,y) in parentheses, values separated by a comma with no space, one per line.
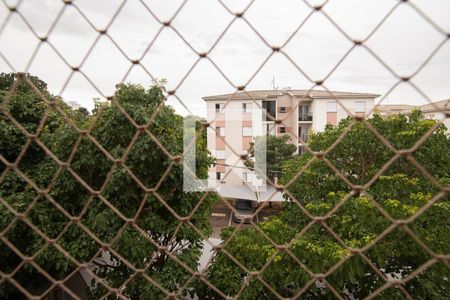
(19,233)
(38,286)
(359,160)
(93,201)
(355,278)
(357,222)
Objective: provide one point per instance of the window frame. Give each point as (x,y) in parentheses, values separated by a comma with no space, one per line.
(220,131)
(246,176)
(246,107)
(270,129)
(357,110)
(220,176)
(219,107)
(302,132)
(222,156)
(332,109)
(246,133)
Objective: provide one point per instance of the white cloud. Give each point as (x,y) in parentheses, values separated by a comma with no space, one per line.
(404,42)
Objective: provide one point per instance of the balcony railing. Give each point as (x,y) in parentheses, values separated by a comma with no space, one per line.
(305,117)
(304,137)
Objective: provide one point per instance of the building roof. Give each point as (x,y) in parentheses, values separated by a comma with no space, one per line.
(443,105)
(265,94)
(394,106)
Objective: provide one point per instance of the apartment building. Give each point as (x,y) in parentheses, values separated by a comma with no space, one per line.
(236,119)
(439,110)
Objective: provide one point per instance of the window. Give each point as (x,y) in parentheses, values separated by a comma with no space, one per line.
(303,134)
(269,106)
(246,131)
(301,150)
(247,177)
(220,176)
(282,109)
(282,129)
(360,106)
(219,107)
(220,154)
(246,107)
(331,106)
(270,129)
(303,113)
(220,131)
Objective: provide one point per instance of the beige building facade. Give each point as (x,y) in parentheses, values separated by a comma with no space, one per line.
(236,119)
(439,110)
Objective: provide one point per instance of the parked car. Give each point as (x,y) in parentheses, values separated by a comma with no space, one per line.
(243,211)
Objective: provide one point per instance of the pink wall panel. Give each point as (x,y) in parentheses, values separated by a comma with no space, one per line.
(332,118)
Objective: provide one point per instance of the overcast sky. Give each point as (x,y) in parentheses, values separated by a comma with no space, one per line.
(404,42)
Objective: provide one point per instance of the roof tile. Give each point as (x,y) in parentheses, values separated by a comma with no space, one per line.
(264,94)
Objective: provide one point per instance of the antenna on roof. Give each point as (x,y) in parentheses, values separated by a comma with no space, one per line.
(273,83)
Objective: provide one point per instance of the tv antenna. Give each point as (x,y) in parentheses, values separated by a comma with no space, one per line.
(274,87)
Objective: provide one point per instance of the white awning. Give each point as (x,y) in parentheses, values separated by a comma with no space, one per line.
(236,192)
(268,193)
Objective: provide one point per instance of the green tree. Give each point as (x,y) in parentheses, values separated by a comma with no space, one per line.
(138,177)
(278,150)
(401,191)
(24,104)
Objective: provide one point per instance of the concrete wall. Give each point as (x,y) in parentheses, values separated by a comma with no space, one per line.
(319,110)
(233,119)
(211,134)
(233,129)
(288,118)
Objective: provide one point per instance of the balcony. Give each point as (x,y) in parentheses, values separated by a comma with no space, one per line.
(304,137)
(305,117)
(270,107)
